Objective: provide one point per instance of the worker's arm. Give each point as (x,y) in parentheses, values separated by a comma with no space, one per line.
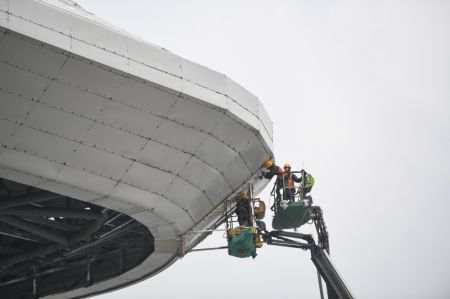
(270,174)
(296,179)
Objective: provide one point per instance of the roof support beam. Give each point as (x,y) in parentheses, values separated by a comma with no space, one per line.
(9,250)
(52,212)
(28,255)
(55,224)
(34,229)
(21,235)
(12,202)
(92,228)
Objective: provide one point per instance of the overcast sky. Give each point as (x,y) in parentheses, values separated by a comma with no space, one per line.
(360,92)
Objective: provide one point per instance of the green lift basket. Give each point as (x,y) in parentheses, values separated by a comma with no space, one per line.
(242,244)
(293,216)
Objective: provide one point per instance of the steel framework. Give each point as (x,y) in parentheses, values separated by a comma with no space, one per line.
(52,244)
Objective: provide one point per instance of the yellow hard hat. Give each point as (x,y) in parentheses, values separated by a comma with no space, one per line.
(268,164)
(287,165)
(244,195)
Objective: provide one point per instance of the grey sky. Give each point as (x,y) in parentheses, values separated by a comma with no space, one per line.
(359,91)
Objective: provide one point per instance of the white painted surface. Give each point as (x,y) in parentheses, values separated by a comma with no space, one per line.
(99,115)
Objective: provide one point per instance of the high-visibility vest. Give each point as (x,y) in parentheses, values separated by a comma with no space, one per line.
(290,180)
(309,180)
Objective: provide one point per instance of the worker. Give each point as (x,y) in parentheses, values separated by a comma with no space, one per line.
(274,170)
(288,183)
(306,186)
(243,210)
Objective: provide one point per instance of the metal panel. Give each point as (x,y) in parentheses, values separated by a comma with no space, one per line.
(195,115)
(2,30)
(265,119)
(90,76)
(30,56)
(148,178)
(7,130)
(21,82)
(99,36)
(19,176)
(51,120)
(233,133)
(105,138)
(41,12)
(254,154)
(129,119)
(29,164)
(38,31)
(156,260)
(72,99)
(163,157)
(167,245)
(190,198)
(69,191)
(90,182)
(242,96)
(243,114)
(164,232)
(98,54)
(151,220)
(204,76)
(169,210)
(215,153)
(206,178)
(236,172)
(118,204)
(154,56)
(146,97)
(135,196)
(153,75)
(14,107)
(4,5)
(208,96)
(42,144)
(266,137)
(100,162)
(4,18)
(179,136)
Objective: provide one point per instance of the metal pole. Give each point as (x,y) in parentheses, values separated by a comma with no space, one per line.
(35,283)
(320,284)
(88,271)
(210,248)
(34,229)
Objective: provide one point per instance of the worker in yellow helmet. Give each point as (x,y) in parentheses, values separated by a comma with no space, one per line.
(288,183)
(243,210)
(272,171)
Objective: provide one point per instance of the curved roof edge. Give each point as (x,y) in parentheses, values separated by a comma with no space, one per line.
(77,31)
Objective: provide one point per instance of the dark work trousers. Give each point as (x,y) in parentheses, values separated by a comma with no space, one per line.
(289,194)
(242,212)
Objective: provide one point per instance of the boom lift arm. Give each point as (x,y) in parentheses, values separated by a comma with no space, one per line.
(336,287)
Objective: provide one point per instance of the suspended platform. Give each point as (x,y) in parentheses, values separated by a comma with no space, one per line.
(294,215)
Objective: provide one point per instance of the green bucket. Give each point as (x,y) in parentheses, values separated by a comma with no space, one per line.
(242,245)
(295,215)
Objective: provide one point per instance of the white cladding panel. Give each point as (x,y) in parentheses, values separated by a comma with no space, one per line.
(91,112)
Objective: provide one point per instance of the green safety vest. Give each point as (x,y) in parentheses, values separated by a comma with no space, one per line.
(309,180)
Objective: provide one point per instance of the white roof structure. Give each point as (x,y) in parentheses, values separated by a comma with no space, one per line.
(93,113)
